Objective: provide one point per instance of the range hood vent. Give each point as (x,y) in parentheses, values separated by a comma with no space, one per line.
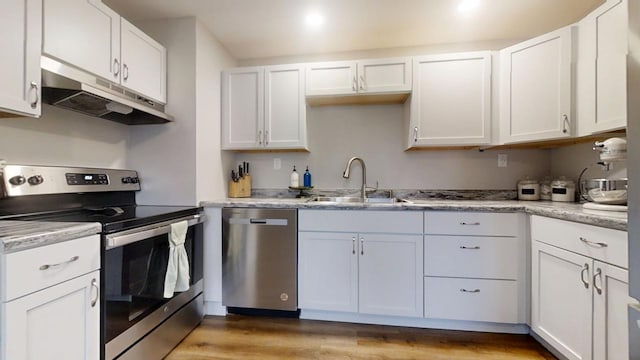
(69,88)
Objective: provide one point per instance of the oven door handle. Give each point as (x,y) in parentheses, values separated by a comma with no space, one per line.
(132,236)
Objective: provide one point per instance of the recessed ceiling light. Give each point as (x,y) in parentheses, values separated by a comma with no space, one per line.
(314,20)
(468,5)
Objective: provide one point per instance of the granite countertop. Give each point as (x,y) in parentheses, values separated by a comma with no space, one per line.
(21,235)
(565,211)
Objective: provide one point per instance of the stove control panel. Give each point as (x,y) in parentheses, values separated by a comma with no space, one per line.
(87,179)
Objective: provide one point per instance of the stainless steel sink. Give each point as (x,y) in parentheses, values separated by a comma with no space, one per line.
(353,199)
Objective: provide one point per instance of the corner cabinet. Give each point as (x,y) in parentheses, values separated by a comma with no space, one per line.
(579,293)
(441,83)
(359,77)
(536,88)
(263,108)
(601,81)
(21,26)
(367,262)
(51,310)
(112,48)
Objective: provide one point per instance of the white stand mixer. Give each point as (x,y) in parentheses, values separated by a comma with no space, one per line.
(606,194)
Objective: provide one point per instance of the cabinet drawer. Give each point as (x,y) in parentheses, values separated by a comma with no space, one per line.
(471,299)
(471,223)
(393,222)
(471,256)
(600,243)
(26,270)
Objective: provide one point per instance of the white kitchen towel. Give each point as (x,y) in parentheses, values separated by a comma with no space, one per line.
(177,277)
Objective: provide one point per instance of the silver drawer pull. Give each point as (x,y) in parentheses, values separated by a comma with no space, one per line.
(593,243)
(473,223)
(470,291)
(470,247)
(48,266)
(585,269)
(94,285)
(596,275)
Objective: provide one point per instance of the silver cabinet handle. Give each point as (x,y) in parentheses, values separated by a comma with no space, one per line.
(594,243)
(34,86)
(585,268)
(260,137)
(597,274)
(565,122)
(471,224)
(125,72)
(116,67)
(415,134)
(362,83)
(266,137)
(353,245)
(353,84)
(470,247)
(361,246)
(49,266)
(94,285)
(470,291)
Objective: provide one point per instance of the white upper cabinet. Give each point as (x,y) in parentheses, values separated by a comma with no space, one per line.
(90,36)
(263,108)
(85,34)
(359,77)
(21,26)
(601,82)
(144,63)
(536,88)
(451,100)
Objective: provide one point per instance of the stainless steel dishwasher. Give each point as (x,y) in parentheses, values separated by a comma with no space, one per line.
(259,258)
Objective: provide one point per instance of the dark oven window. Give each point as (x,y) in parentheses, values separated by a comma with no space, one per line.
(134,279)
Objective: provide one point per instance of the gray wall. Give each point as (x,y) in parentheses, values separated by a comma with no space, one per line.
(377,134)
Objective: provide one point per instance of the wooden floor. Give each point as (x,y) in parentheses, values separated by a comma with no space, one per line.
(243,337)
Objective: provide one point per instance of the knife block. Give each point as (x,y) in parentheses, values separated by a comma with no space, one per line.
(240,189)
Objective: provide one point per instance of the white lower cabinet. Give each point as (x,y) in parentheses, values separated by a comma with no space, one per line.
(579,304)
(341,267)
(50,305)
(60,322)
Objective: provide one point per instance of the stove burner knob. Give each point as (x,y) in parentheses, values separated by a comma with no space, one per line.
(127,180)
(17,180)
(35,180)
(134,180)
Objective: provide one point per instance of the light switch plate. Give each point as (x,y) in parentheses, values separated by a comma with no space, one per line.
(277,164)
(502,160)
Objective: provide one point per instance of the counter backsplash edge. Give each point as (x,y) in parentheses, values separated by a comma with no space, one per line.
(398,193)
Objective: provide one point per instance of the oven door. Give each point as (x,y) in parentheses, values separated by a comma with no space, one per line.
(134,268)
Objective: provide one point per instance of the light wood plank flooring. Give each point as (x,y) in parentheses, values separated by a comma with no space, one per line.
(244,337)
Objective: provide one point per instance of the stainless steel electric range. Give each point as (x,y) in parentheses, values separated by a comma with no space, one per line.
(137,321)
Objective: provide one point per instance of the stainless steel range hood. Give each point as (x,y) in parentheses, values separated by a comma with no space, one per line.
(72,89)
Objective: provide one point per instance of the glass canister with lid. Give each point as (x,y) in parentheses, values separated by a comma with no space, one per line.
(563,190)
(528,189)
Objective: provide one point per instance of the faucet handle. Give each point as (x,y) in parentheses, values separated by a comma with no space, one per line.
(371,189)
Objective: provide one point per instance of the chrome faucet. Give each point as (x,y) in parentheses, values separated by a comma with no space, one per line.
(363,189)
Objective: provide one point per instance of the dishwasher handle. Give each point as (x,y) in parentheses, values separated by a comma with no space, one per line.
(259,221)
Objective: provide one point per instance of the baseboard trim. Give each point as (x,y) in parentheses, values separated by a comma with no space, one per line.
(548,346)
(214,308)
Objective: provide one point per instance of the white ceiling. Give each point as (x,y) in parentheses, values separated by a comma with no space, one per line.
(268,28)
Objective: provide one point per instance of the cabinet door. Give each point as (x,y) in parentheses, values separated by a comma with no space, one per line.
(610,301)
(21,26)
(384,76)
(391,277)
(451,100)
(242,108)
(561,299)
(536,88)
(60,322)
(331,78)
(328,271)
(85,34)
(144,63)
(285,125)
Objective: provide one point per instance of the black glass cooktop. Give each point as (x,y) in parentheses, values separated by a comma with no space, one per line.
(117,218)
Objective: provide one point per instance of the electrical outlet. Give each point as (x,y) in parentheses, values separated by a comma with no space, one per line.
(502,160)
(277,164)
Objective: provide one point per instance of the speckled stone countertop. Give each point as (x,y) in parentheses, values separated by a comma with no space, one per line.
(565,211)
(21,235)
